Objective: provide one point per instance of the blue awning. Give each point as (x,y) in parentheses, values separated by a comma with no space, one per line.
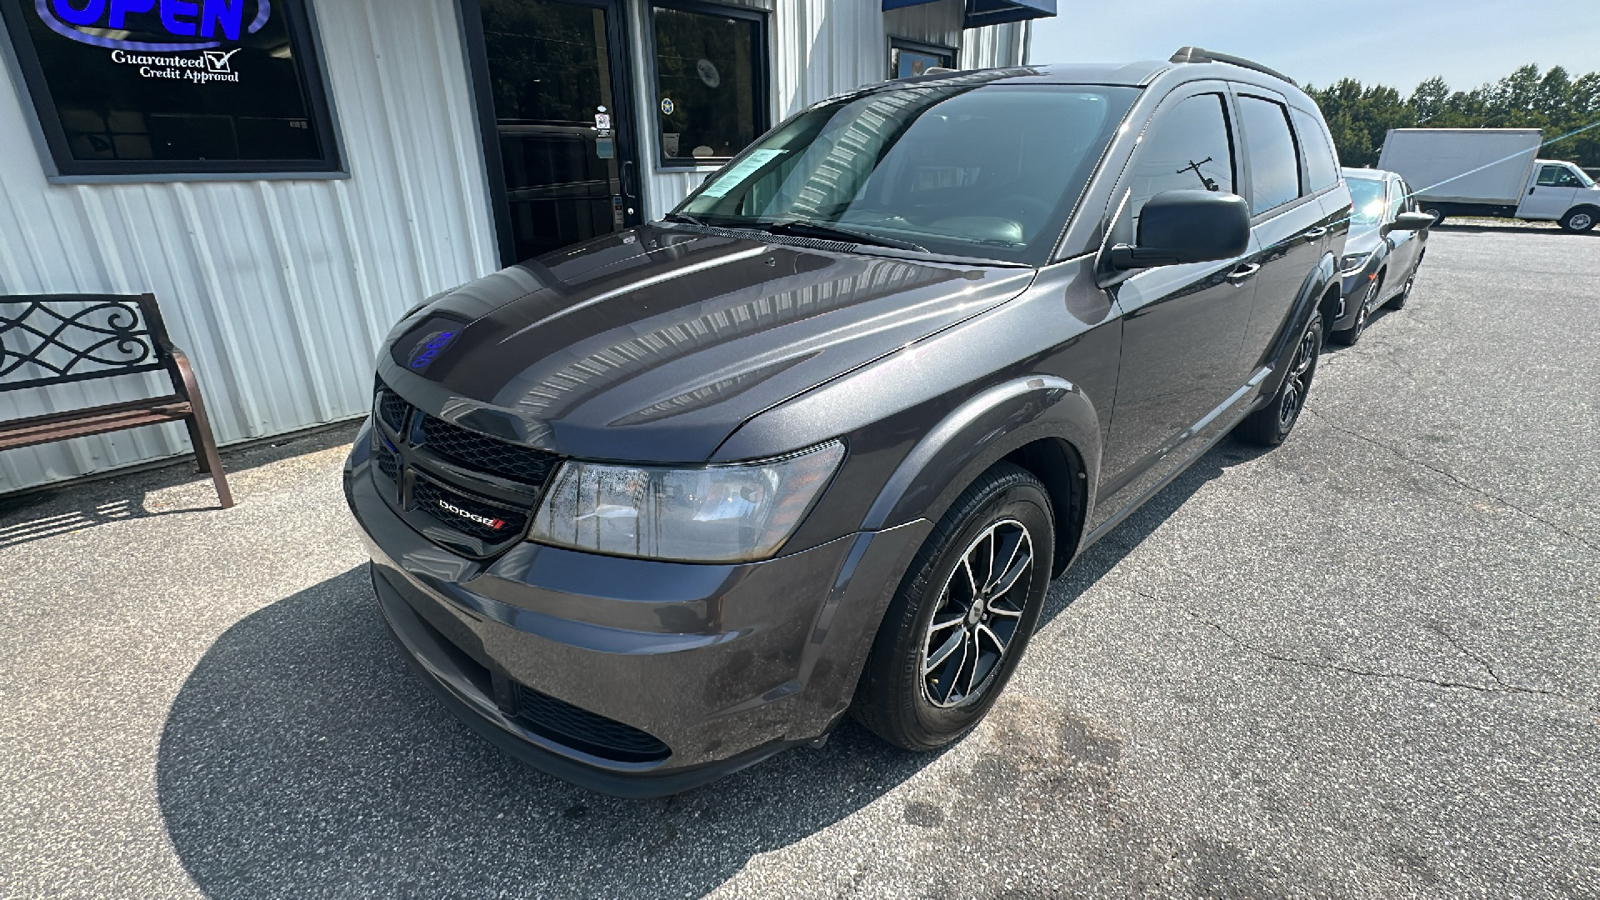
(992,12)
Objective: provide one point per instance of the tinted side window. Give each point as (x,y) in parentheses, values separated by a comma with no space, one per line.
(1322,163)
(1274,165)
(1397,200)
(1187,146)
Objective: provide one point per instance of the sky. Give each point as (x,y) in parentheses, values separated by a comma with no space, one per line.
(1395,42)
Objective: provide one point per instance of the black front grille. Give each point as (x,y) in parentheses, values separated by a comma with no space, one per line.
(393,410)
(490,523)
(583,730)
(388,460)
(486,454)
(482,488)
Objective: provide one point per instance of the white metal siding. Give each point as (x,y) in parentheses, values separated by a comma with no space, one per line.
(278,290)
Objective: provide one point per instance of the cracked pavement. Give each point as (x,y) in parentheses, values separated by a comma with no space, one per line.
(1365,664)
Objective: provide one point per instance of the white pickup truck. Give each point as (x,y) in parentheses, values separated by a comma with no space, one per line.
(1490,172)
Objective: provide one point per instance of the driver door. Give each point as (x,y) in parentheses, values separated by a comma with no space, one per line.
(1183,325)
(1550,195)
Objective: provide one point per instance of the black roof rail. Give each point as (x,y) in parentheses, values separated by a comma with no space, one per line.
(1202,55)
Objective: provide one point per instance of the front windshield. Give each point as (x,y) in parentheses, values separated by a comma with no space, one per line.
(1367,195)
(978,170)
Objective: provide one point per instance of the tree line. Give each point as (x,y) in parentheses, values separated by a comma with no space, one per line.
(1359,116)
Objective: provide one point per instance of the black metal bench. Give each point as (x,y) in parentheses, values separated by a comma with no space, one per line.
(50,339)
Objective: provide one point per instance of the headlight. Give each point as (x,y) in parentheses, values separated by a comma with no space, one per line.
(731,513)
(1352,262)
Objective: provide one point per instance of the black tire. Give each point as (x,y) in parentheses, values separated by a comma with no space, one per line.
(1271,424)
(1398,301)
(1580,219)
(1349,336)
(898,698)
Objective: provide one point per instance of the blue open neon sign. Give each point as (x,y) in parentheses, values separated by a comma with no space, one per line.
(210,21)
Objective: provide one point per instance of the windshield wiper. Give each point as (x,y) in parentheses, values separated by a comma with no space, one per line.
(805,228)
(685,218)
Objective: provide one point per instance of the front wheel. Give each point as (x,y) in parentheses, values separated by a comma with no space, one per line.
(1271,424)
(958,625)
(1398,301)
(1349,336)
(1579,220)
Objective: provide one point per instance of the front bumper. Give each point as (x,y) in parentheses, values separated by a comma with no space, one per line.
(1352,291)
(718,666)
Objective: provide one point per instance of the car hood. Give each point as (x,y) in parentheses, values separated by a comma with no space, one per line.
(655,344)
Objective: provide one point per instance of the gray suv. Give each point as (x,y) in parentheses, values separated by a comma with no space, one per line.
(650,509)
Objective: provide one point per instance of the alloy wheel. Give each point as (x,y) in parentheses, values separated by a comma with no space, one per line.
(976,617)
(1399,300)
(1298,381)
(1362,313)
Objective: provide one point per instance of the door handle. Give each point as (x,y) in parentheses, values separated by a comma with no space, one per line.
(627,179)
(1243,273)
(1317,232)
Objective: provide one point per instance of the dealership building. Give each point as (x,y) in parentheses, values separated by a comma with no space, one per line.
(288,177)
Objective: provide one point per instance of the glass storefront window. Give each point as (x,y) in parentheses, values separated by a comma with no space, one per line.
(169,87)
(711,81)
(908,59)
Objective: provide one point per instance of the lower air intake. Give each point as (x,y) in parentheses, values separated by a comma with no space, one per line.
(583,730)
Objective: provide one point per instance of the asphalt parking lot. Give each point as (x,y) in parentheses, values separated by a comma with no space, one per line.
(1366,664)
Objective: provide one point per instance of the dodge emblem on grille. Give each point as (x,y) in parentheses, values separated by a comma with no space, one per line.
(485,521)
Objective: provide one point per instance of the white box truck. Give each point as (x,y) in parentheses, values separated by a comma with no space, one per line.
(1490,172)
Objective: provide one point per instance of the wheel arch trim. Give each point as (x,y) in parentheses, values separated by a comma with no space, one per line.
(1307,304)
(979,433)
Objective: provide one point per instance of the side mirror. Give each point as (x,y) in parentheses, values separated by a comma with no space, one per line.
(1187,226)
(1411,221)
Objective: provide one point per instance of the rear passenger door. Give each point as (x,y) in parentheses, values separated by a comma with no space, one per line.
(1181,324)
(1289,223)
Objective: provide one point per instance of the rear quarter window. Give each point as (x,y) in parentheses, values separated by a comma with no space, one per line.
(1322,161)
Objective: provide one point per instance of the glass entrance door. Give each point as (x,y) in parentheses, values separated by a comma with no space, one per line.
(561,135)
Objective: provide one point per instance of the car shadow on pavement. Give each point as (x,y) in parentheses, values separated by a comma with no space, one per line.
(1095,562)
(301,758)
(1331,347)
